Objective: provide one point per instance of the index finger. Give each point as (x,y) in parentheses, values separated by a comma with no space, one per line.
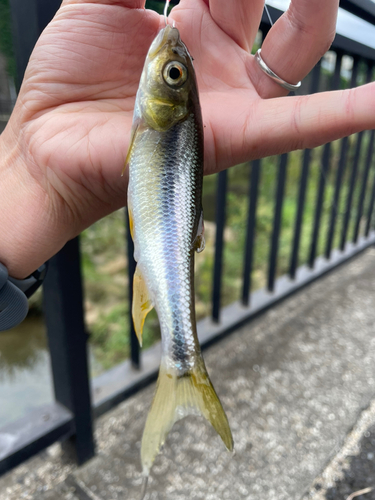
(237,18)
(130,4)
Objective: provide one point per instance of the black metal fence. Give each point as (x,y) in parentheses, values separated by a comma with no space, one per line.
(348,229)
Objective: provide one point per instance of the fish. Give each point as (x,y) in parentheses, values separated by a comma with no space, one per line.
(165,160)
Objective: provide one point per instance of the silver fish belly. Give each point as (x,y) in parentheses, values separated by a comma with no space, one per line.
(167,176)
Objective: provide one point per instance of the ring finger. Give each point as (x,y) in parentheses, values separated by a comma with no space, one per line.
(296,42)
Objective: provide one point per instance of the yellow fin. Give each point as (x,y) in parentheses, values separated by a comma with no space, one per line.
(133,133)
(131,223)
(175,398)
(142,304)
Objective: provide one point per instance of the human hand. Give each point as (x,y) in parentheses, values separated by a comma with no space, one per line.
(244,112)
(68,136)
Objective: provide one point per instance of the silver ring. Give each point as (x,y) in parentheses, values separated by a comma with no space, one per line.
(268,71)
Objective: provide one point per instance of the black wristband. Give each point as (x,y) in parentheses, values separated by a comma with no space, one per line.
(14,294)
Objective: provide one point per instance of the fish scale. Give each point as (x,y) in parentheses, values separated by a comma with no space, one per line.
(169,217)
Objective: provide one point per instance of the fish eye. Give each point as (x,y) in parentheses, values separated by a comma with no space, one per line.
(175,74)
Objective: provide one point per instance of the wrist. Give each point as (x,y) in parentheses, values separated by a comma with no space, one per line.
(29,225)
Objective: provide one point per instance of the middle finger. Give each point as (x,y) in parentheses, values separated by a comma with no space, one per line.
(238,18)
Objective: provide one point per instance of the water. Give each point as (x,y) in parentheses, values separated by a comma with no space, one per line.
(25,369)
(25,373)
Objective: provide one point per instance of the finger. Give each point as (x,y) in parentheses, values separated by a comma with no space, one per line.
(296,42)
(276,126)
(237,18)
(131,4)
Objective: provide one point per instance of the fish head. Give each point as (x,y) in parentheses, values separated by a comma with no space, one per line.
(168,89)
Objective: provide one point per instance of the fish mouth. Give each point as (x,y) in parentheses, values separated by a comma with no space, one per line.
(166,36)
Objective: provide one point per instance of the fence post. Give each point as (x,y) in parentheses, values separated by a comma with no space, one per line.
(29,18)
(279,201)
(63,298)
(63,304)
(134,344)
(250,231)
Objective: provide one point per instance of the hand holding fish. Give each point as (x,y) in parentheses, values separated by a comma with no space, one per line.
(67,139)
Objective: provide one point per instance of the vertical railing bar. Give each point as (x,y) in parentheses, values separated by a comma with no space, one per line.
(319,203)
(353,180)
(250,232)
(353,177)
(336,197)
(134,344)
(302,187)
(62,290)
(362,195)
(370,209)
(67,339)
(25,31)
(316,77)
(361,199)
(338,183)
(221,194)
(28,21)
(281,178)
(324,170)
(299,215)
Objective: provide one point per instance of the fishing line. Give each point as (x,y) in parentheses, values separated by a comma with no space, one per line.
(144,484)
(268,14)
(166,12)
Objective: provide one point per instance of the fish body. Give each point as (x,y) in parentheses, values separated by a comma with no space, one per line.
(165,161)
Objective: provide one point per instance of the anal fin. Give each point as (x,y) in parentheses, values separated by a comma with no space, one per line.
(142,303)
(131,223)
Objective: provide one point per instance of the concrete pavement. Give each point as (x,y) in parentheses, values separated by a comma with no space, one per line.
(298,385)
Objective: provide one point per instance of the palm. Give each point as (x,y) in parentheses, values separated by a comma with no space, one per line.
(76,104)
(81,119)
(79,94)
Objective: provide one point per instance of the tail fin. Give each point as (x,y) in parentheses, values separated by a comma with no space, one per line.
(175,398)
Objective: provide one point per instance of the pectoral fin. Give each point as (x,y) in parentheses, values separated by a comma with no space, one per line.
(142,304)
(199,242)
(133,134)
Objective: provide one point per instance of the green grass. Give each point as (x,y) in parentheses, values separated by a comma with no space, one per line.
(154,5)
